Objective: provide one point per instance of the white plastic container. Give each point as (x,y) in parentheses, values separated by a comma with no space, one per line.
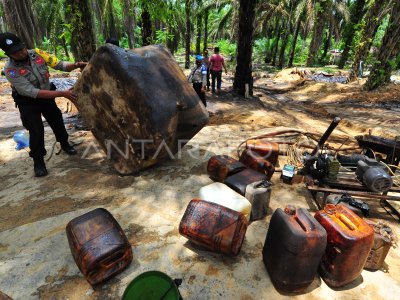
(221,194)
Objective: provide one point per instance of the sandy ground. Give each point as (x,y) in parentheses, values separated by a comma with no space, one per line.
(35,260)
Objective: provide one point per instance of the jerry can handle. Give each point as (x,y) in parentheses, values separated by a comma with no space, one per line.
(346,221)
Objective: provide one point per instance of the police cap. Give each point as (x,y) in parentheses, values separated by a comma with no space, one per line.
(10,43)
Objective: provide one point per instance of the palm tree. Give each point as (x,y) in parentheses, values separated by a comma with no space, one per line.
(357,11)
(82,38)
(243,74)
(372,20)
(382,68)
(325,12)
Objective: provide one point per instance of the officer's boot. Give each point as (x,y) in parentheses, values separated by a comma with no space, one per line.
(70,150)
(39,167)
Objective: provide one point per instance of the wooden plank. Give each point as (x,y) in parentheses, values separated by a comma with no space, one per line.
(352,193)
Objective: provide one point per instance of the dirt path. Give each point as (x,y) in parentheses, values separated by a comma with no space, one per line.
(35,261)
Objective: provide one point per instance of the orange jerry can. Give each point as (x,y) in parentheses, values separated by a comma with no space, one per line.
(293,249)
(239,181)
(350,240)
(98,245)
(383,240)
(219,167)
(214,227)
(255,161)
(268,150)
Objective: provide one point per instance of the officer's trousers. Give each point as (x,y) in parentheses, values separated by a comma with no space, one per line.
(31,116)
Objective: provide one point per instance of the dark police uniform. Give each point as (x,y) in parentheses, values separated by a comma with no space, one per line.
(27,78)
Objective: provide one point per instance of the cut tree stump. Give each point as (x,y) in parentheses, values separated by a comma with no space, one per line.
(138,105)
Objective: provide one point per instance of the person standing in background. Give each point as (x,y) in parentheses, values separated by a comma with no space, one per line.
(206,60)
(198,77)
(216,64)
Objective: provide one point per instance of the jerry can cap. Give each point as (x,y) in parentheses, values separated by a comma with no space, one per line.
(330,209)
(290,210)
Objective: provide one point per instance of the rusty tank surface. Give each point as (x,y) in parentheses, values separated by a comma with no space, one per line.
(98,245)
(239,181)
(268,150)
(219,167)
(255,161)
(383,241)
(214,227)
(138,105)
(350,240)
(293,249)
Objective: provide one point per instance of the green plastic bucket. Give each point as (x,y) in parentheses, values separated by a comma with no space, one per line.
(151,285)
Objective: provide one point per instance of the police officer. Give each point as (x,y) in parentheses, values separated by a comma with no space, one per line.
(28,73)
(198,77)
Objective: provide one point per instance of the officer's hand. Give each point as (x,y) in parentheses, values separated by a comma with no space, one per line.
(69,94)
(81,65)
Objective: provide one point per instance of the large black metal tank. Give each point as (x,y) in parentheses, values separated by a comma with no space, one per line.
(139,102)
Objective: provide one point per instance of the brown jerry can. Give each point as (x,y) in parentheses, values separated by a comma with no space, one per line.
(219,167)
(256,162)
(239,181)
(214,227)
(98,245)
(350,240)
(268,150)
(380,248)
(293,249)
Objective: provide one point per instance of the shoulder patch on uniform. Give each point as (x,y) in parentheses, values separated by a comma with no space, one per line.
(39,60)
(22,71)
(11,72)
(50,60)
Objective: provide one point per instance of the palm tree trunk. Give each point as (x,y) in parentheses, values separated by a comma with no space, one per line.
(274,33)
(20,19)
(187,34)
(356,14)
(368,32)
(112,29)
(205,28)
(198,37)
(146,27)
(293,48)
(319,26)
(243,73)
(285,38)
(129,23)
(276,45)
(78,14)
(99,16)
(327,43)
(381,70)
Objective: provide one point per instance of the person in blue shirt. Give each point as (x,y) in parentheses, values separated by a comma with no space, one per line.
(198,77)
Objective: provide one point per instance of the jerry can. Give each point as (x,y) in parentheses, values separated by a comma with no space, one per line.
(383,240)
(214,227)
(255,161)
(221,194)
(268,150)
(259,194)
(239,181)
(98,245)
(350,240)
(293,248)
(219,167)
(359,207)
